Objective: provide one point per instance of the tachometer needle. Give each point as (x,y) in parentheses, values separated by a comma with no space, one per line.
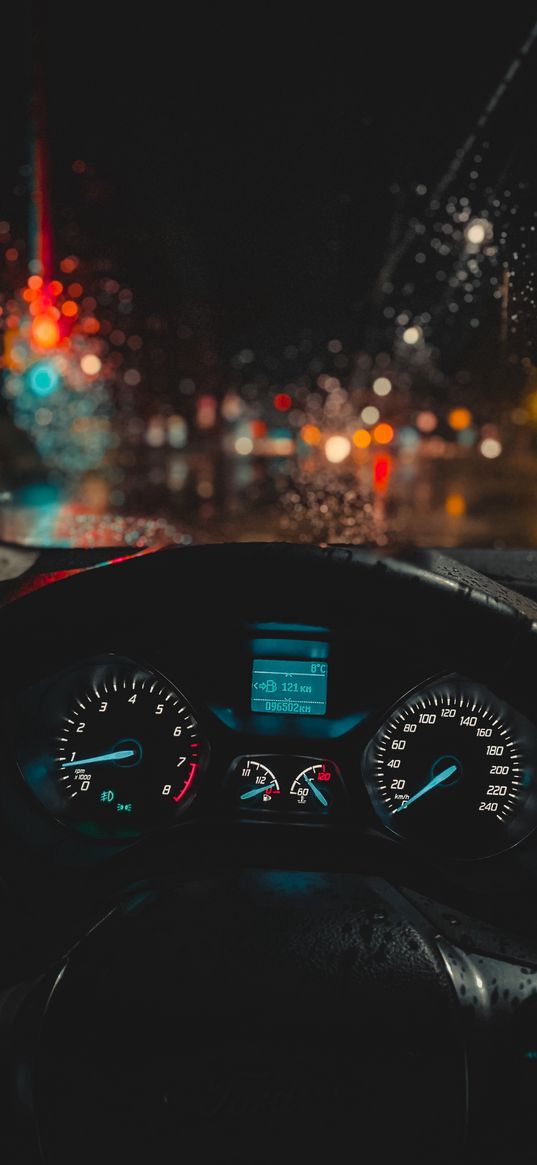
(443,776)
(258,789)
(317,791)
(121,754)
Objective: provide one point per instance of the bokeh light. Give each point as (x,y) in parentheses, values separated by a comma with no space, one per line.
(361,438)
(43,379)
(459,419)
(45,332)
(282,402)
(69,308)
(91,364)
(383,433)
(490,447)
(477,232)
(337,449)
(455,505)
(311,434)
(412,335)
(426,421)
(370,415)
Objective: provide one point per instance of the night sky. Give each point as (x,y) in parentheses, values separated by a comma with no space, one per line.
(246,169)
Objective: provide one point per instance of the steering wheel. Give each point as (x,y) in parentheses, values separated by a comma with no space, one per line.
(238,1009)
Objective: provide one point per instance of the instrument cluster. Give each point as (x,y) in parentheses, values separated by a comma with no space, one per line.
(111,749)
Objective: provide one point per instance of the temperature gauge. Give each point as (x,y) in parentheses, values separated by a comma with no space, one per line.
(314,787)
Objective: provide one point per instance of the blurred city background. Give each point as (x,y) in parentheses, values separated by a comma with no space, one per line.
(266,282)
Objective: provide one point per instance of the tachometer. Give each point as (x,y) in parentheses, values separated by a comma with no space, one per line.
(453,769)
(124,755)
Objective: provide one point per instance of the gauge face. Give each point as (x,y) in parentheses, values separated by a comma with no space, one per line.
(452,769)
(257,784)
(124,756)
(285,784)
(313,788)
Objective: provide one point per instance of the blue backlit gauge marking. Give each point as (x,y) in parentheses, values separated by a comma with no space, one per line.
(109,782)
(258,782)
(256,792)
(120,754)
(289,687)
(433,783)
(320,796)
(447,770)
(317,779)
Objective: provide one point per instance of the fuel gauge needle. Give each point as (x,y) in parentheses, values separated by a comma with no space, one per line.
(443,776)
(255,792)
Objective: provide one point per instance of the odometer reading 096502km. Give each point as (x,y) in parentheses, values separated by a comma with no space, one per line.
(452,769)
(124,754)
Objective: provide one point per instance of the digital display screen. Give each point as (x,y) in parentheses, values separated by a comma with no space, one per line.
(293,686)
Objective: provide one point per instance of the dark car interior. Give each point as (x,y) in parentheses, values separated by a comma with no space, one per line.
(268,585)
(249,949)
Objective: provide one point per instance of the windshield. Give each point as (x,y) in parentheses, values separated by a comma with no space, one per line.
(263,279)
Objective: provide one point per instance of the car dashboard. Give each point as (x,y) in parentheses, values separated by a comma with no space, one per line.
(308,771)
(150,724)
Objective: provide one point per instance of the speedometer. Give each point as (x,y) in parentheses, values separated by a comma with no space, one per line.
(452,768)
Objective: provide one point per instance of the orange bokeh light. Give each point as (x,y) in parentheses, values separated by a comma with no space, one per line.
(361,438)
(310,434)
(460,419)
(69,264)
(12,254)
(35,282)
(383,433)
(91,325)
(455,505)
(56,287)
(75,290)
(45,332)
(70,309)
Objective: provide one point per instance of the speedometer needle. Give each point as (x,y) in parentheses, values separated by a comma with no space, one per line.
(121,754)
(258,789)
(443,776)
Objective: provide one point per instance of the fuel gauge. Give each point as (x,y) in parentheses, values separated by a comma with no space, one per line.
(257,784)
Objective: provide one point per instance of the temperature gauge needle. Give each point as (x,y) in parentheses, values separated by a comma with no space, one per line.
(443,776)
(317,791)
(121,754)
(259,789)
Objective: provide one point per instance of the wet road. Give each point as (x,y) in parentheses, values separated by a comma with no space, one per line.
(455,500)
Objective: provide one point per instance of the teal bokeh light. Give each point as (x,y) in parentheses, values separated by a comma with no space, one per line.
(43,378)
